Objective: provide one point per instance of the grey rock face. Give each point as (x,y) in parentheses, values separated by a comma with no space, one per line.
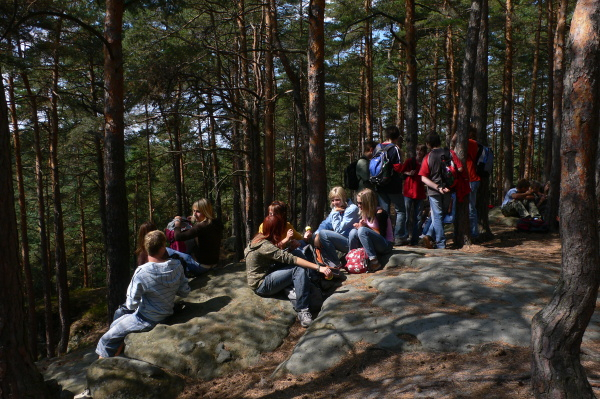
(122,378)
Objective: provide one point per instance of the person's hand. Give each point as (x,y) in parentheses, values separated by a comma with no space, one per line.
(325,270)
(177,221)
(308,234)
(362,223)
(445,190)
(356,225)
(289,234)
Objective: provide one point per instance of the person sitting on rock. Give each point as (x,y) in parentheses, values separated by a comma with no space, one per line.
(333,232)
(150,295)
(270,269)
(374,231)
(520,202)
(292,240)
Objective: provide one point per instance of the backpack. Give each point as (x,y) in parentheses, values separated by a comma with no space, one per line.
(380,167)
(170,234)
(485,161)
(357,261)
(351,180)
(448,170)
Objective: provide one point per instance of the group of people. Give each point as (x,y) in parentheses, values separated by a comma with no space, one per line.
(278,257)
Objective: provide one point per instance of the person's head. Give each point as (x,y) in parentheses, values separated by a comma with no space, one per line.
(391,133)
(421,151)
(367,203)
(523,185)
(472,132)
(201,210)
(536,186)
(145,228)
(155,243)
(273,229)
(369,148)
(433,140)
(338,197)
(278,208)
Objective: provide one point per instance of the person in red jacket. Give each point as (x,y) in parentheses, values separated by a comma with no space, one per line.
(414,192)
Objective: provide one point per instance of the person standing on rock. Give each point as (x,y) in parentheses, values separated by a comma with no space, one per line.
(270,269)
(150,295)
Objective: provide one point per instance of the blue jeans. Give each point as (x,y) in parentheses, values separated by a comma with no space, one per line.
(285,276)
(332,242)
(413,205)
(473,209)
(373,242)
(119,328)
(398,200)
(437,227)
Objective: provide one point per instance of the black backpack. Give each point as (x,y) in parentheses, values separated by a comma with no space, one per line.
(448,170)
(351,180)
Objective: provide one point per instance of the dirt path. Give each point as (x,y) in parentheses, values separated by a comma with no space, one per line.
(491,371)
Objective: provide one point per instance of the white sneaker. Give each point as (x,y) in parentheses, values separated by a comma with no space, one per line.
(84,395)
(305,318)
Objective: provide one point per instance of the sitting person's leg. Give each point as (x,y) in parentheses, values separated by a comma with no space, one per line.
(111,341)
(330,243)
(373,242)
(353,240)
(276,281)
(532,209)
(515,209)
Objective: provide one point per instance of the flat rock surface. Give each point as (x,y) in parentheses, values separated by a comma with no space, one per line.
(424,300)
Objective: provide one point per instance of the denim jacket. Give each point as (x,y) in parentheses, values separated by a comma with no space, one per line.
(341,222)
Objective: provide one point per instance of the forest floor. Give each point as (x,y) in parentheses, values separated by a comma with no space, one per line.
(496,371)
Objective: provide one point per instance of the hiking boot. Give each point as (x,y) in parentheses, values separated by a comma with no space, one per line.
(400,241)
(305,317)
(428,242)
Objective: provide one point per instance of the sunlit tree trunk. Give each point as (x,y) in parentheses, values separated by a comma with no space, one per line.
(368,70)
(269,119)
(411,78)
(558,329)
(465,102)
(507,101)
(316,198)
(550,93)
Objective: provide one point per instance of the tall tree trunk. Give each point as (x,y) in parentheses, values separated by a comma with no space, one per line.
(434,95)
(479,113)
(41,215)
(529,149)
(60,260)
(507,100)
(557,330)
(400,118)
(19,376)
(117,239)
(465,102)
(269,86)
(412,89)
(316,198)
(452,104)
(31,313)
(84,254)
(557,114)
(550,100)
(368,68)
(149,167)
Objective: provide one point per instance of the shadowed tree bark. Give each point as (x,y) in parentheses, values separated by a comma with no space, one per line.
(557,330)
(117,228)
(19,377)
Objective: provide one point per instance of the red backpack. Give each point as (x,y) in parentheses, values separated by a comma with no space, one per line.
(357,261)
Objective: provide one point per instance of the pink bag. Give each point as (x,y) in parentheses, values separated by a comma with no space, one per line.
(357,261)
